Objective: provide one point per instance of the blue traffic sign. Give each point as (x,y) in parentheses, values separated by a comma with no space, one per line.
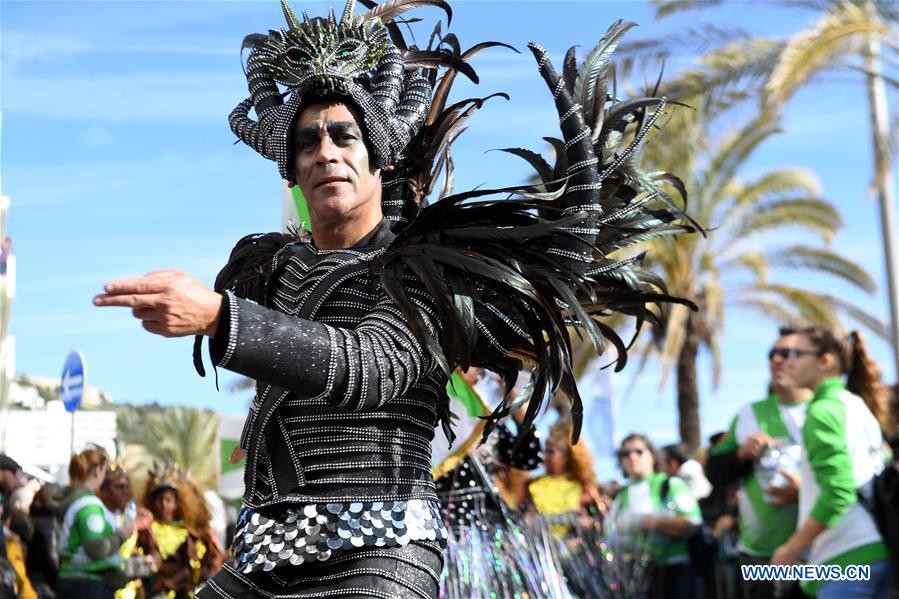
(72,386)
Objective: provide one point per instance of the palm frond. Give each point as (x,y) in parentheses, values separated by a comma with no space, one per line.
(728,156)
(815,48)
(184,436)
(769,307)
(666,8)
(743,64)
(780,182)
(811,306)
(814,214)
(754,262)
(673,340)
(822,260)
(690,40)
(887,10)
(861,316)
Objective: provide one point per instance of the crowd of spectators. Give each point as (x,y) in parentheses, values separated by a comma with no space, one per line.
(804,475)
(796,478)
(92,539)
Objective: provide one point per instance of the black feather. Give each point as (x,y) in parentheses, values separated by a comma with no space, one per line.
(249,266)
(432,59)
(569,69)
(544,171)
(396,36)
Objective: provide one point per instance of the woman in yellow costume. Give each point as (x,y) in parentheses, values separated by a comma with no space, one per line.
(570,504)
(569,484)
(179,536)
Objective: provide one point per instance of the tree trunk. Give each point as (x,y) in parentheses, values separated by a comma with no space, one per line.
(886,193)
(687,389)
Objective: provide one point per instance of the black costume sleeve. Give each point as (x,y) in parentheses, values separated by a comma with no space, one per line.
(356,369)
(725,468)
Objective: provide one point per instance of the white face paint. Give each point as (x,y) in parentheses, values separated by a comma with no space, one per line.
(331,165)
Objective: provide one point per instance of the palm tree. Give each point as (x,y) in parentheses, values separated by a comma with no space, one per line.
(844,35)
(845,29)
(187,437)
(734,266)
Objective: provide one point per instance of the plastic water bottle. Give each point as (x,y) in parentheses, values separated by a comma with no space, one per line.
(130,511)
(769,462)
(784,457)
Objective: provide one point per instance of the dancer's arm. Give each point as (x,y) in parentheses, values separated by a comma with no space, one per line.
(358,369)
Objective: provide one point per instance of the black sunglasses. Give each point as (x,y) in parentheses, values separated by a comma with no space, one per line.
(787,353)
(623,453)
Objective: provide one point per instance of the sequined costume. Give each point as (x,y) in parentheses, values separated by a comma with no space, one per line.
(351,348)
(469,490)
(471,480)
(356,414)
(490,550)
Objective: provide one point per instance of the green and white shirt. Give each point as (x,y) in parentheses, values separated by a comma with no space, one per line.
(644,497)
(764,527)
(843,452)
(85,518)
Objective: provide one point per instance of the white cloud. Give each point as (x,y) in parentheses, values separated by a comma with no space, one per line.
(20,48)
(195,99)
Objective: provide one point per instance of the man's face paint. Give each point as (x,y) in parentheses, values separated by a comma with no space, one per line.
(331,164)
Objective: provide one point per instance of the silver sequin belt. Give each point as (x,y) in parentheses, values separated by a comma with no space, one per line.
(316,532)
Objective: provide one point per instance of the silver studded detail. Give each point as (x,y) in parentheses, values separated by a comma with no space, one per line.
(316,532)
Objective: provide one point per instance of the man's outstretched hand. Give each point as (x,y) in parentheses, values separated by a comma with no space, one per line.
(168,302)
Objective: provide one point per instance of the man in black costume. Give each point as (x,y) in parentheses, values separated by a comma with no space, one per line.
(351,333)
(362,404)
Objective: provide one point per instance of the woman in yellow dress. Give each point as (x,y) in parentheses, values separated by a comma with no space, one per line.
(568,502)
(569,485)
(179,537)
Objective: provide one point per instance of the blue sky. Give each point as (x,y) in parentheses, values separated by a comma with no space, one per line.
(118,159)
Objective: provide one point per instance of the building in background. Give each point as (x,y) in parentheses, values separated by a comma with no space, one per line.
(7,341)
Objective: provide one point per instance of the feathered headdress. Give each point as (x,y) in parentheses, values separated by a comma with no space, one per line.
(350,59)
(325,57)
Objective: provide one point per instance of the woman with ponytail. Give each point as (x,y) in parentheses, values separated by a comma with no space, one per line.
(89,561)
(843,452)
(863,378)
